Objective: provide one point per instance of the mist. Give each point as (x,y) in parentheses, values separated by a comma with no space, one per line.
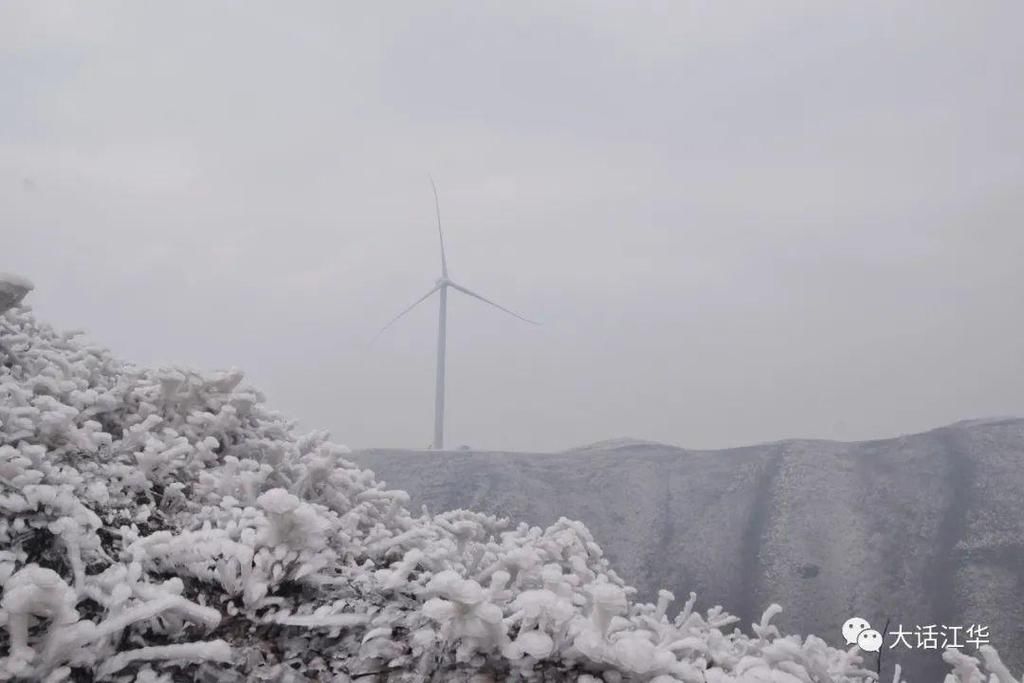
(737,223)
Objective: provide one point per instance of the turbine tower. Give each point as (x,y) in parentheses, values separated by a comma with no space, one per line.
(441,286)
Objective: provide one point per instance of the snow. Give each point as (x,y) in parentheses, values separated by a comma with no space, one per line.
(163,524)
(12,290)
(214,651)
(818,527)
(11,281)
(621,443)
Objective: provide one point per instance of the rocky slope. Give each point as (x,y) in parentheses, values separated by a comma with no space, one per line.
(921,529)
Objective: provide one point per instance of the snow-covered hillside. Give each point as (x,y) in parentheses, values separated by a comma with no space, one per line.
(920,529)
(163,524)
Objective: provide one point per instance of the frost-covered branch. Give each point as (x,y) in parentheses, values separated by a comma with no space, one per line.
(159,524)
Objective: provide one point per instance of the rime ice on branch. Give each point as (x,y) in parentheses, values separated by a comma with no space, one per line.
(164,525)
(12,290)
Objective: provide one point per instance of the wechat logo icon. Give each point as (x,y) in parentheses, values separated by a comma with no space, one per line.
(858,632)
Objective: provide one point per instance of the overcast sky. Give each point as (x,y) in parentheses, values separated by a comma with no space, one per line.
(737,221)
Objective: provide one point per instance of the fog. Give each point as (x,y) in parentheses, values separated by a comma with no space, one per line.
(737,222)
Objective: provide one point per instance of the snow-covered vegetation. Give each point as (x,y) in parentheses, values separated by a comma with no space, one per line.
(163,524)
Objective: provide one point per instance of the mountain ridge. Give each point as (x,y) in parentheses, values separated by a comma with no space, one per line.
(921,528)
(616,443)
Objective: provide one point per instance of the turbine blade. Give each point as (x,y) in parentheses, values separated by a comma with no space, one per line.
(397,317)
(488,301)
(440,234)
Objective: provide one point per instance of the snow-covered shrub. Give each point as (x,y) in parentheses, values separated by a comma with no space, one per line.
(162,525)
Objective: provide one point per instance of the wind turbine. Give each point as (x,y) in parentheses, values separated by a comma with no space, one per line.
(441,285)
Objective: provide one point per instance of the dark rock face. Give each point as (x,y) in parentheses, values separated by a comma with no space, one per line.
(923,529)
